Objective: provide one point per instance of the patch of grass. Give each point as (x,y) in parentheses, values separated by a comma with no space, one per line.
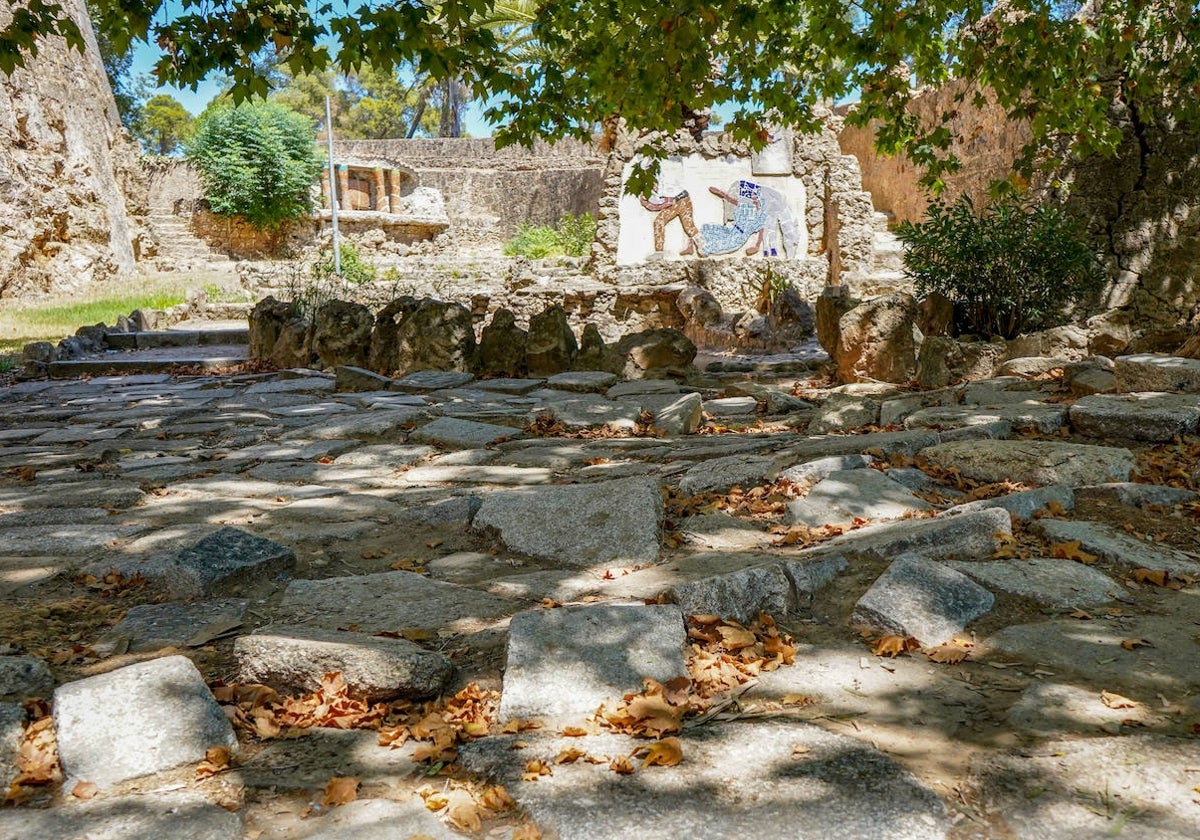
(55,317)
(215,293)
(572,237)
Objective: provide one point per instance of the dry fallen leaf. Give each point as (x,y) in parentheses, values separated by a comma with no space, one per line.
(463,812)
(573,731)
(496,798)
(949,653)
(1131,644)
(665,753)
(1157,577)
(1116,701)
(340,790)
(550,603)
(534,769)
(26,474)
(1082,615)
(621,764)
(893,646)
(528,831)
(799,700)
(569,756)
(1072,551)
(215,760)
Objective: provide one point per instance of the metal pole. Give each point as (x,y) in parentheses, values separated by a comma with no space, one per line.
(333,193)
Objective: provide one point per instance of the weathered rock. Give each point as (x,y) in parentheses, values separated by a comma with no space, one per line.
(141,815)
(387,601)
(843,412)
(580,525)
(502,346)
(1139,495)
(1050,582)
(1137,416)
(420,381)
(563,663)
(582,381)
(267,320)
(674,415)
(698,306)
(847,789)
(551,346)
(22,677)
(853,494)
(973,535)
(153,626)
(594,413)
(650,353)
(462,434)
(1025,504)
(293,348)
(1023,416)
(718,475)
(1034,462)
(294,658)
(921,598)
(384,342)
(1152,372)
(343,334)
(935,315)
(1069,342)
(740,595)
(943,361)
(220,562)
(1092,380)
(832,304)
(1117,547)
(810,472)
(436,336)
(350,378)
(1109,333)
(1032,366)
(593,352)
(137,720)
(879,340)
(809,576)
(639,388)
(720,530)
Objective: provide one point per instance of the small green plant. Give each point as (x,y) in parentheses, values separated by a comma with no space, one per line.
(355,269)
(572,237)
(1008,268)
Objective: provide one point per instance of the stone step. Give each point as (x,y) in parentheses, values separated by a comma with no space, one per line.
(176,338)
(160,360)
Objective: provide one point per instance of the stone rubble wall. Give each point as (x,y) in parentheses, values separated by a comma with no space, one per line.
(70,184)
(1142,207)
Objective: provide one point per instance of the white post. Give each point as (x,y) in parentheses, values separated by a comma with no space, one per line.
(333,193)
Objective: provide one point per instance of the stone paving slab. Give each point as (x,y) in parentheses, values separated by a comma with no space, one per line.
(718,475)
(153,626)
(594,413)
(432,380)
(463,434)
(478,475)
(71,494)
(391,601)
(564,663)
(1025,504)
(1036,462)
(64,540)
(758,779)
(516,387)
(1032,417)
(582,381)
(1137,416)
(1117,547)
(137,720)
(175,815)
(974,535)
(580,525)
(854,494)
(1051,582)
(1155,372)
(921,598)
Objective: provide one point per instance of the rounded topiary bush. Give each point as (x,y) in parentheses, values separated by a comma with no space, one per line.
(1009,267)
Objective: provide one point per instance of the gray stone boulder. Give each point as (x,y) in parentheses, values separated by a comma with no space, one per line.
(1069,342)
(1036,462)
(854,494)
(502,346)
(679,414)
(462,434)
(921,598)
(1023,505)
(436,336)
(810,472)
(294,658)
(739,595)
(879,340)
(1154,372)
(651,353)
(1117,547)
(593,352)
(551,346)
(580,525)
(718,475)
(563,663)
(974,535)
(267,319)
(943,361)
(293,348)
(1136,416)
(832,304)
(843,412)
(343,334)
(137,720)
(148,627)
(1050,582)
(384,338)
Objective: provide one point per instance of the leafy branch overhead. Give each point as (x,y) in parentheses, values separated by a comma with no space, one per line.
(1072,71)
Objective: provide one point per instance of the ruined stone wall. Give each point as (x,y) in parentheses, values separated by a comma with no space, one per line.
(984,139)
(490,191)
(69,176)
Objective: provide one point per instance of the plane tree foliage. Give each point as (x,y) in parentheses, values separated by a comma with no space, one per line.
(1076,74)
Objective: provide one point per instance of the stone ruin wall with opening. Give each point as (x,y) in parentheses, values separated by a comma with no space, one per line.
(71,189)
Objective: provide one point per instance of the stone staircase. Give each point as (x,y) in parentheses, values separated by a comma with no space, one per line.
(179,249)
(885,273)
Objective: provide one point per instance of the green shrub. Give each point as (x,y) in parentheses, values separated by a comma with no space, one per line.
(572,238)
(258,160)
(355,269)
(1008,268)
